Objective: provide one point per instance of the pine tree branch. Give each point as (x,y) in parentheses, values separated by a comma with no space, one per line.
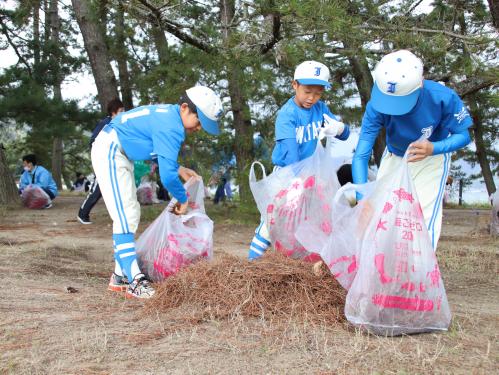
(419,30)
(472,85)
(276,34)
(5,31)
(155,15)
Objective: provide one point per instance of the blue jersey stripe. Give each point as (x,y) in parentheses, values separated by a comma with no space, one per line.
(436,207)
(110,159)
(120,201)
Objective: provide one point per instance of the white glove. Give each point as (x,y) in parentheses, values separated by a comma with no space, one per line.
(332,127)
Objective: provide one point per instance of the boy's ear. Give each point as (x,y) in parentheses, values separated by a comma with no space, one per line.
(295,84)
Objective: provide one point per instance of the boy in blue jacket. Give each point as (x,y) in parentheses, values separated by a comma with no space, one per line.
(410,107)
(37,175)
(141,134)
(297,128)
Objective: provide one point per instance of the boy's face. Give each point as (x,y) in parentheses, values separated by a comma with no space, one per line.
(189,119)
(307,95)
(27,166)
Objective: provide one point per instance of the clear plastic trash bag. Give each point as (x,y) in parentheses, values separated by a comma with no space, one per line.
(295,196)
(172,242)
(398,288)
(34,197)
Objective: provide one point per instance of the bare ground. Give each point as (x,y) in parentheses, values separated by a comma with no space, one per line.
(46,330)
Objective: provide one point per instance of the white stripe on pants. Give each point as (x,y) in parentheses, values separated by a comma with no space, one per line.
(114,171)
(429,176)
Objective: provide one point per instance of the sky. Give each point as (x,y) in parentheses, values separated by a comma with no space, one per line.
(81,87)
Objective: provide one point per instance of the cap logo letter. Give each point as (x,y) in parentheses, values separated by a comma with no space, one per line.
(317,71)
(391,87)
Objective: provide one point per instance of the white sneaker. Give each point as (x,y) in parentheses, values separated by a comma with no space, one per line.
(140,288)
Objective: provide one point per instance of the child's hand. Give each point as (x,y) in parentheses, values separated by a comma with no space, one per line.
(180,208)
(186,173)
(419,150)
(332,127)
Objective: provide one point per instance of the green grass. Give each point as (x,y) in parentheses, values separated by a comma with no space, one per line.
(233,212)
(226,212)
(472,205)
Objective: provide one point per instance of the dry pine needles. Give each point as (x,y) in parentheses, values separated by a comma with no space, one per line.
(271,287)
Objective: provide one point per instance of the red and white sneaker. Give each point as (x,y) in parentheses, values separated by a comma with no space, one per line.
(118,283)
(140,288)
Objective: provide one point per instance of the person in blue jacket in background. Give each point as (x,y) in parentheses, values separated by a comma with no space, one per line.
(38,176)
(421,116)
(141,134)
(297,128)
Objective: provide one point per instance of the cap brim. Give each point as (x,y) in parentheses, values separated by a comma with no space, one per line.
(391,104)
(209,125)
(311,81)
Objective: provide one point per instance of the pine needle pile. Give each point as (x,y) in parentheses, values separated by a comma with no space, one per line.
(271,287)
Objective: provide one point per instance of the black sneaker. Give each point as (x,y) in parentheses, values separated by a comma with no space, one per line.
(140,288)
(84,220)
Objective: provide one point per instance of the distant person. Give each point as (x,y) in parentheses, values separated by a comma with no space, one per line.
(37,175)
(81,183)
(139,134)
(114,107)
(220,192)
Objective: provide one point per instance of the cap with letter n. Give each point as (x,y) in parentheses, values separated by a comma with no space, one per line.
(312,73)
(398,79)
(208,106)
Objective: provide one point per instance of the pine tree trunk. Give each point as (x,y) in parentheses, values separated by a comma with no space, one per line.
(494,11)
(97,51)
(122,58)
(364,82)
(240,108)
(57,162)
(8,189)
(481,151)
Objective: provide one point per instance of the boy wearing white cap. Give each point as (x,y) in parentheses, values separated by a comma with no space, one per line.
(140,134)
(297,128)
(410,107)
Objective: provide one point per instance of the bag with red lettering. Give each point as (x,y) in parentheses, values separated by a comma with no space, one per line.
(172,242)
(34,197)
(340,249)
(398,288)
(296,195)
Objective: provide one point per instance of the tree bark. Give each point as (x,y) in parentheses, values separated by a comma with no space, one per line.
(97,51)
(364,82)
(240,107)
(122,59)
(161,44)
(494,11)
(57,161)
(8,189)
(481,151)
(57,149)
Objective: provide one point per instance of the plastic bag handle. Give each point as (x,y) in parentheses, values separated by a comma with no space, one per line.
(360,188)
(422,138)
(252,176)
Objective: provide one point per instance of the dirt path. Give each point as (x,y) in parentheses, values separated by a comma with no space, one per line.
(46,330)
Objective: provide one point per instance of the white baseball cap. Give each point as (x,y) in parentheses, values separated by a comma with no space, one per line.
(312,73)
(208,106)
(398,78)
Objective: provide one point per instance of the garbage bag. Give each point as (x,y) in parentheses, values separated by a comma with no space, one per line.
(34,197)
(398,288)
(172,242)
(297,195)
